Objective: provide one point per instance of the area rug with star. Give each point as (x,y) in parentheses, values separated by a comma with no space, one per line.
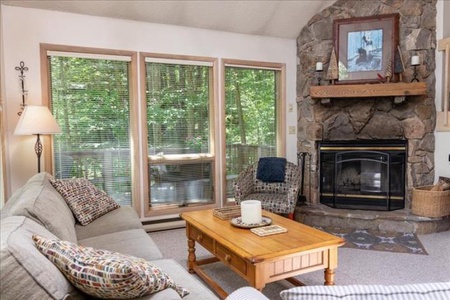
(378,240)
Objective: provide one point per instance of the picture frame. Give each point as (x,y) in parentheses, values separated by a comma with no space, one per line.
(365,48)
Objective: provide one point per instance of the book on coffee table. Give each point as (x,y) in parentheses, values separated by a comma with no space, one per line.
(268,230)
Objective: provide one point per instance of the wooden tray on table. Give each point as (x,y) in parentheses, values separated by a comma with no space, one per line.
(227,213)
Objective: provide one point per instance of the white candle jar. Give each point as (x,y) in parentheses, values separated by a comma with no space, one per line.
(251,212)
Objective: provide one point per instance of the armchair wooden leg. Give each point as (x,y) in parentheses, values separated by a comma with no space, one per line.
(291,216)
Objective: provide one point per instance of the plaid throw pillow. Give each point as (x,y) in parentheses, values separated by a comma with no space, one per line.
(85,200)
(106,274)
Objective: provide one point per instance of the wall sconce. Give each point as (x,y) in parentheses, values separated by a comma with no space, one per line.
(415,61)
(22,68)
(37,120)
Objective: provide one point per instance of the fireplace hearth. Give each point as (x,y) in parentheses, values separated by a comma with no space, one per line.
(363,174)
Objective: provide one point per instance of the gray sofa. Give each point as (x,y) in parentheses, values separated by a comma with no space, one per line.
(37,208)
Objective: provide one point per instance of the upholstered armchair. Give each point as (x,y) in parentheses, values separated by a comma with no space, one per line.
(278,197)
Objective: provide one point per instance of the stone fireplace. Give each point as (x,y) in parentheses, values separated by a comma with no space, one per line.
(370,118)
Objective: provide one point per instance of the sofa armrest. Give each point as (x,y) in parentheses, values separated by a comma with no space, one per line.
(422,291)
(246,293)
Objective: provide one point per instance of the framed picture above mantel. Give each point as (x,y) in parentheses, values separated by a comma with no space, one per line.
(365,48)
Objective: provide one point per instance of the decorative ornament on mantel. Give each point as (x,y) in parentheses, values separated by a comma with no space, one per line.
(332,73)
(399,66)
(388,70)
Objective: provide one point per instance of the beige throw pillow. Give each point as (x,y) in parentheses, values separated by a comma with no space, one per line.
(85,200)
(106,274)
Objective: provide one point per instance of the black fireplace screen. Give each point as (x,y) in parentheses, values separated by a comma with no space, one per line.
(363,174)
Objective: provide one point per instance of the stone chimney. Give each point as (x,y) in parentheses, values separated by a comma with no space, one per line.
(371,118)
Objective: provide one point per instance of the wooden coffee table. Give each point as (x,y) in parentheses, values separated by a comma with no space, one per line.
(260,260)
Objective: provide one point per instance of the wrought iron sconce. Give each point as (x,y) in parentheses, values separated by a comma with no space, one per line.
(414,63)
(21,69)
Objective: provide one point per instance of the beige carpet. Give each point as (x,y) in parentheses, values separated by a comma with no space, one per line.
(355,266)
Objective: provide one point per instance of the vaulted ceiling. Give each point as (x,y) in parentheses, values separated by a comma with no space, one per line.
(277,18)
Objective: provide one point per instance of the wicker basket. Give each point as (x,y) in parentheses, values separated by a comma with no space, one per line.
(427,203)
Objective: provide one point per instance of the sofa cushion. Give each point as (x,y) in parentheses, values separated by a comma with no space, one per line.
(134,242)
(271,169)
(123,218)
(25,272)
(423,291)
(39,201)
(85,200)
(290,179)
(106,274)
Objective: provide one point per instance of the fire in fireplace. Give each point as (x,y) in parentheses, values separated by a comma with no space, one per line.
(363,174)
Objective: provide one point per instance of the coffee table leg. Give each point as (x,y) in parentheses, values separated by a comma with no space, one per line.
(332,264)
(329,277)
(191,255)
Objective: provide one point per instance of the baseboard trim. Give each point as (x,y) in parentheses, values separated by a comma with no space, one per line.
(165,225)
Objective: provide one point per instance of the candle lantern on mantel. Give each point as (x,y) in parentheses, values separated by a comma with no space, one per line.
(319,70)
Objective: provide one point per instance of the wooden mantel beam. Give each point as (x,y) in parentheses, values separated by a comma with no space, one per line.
(368,90)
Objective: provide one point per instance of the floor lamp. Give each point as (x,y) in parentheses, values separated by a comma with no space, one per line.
(37,120)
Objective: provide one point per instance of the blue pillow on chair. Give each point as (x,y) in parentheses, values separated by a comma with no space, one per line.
(271,169)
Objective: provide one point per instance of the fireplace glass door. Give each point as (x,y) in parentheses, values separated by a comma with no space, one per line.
(363,175)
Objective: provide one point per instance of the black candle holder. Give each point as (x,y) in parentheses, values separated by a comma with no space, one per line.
(415,74)
(319,77)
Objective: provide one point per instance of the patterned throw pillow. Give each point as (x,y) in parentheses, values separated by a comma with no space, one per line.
(106,274)
(85,200)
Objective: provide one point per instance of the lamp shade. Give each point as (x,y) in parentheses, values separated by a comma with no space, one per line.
(36,120)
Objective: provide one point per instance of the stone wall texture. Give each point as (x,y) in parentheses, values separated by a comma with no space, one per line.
(370,118)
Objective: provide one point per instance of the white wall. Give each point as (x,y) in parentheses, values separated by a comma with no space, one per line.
(25,28)
(2,145)
(442,152)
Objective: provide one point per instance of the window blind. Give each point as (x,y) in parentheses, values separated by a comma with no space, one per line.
(178,123)
(90,101)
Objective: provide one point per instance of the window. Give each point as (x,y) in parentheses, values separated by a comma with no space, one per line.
(90,98)
(179,112)
(254,104)
(162,154)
